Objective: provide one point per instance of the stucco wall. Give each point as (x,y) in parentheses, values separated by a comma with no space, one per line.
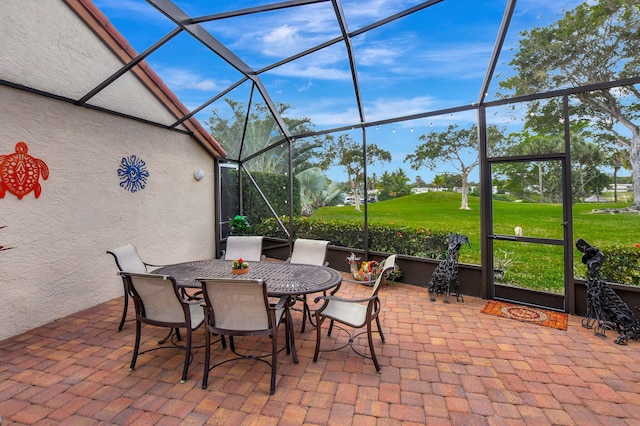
(58,264)
(44,45)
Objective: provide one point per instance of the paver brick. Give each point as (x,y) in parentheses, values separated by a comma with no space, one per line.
(441,364)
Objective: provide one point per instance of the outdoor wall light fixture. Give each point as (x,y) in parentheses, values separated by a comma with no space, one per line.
(198,174)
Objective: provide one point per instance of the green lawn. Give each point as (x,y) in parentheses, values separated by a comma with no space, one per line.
(534,266)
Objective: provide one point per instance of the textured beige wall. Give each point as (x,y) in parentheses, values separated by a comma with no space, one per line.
(58,265)
(45,46)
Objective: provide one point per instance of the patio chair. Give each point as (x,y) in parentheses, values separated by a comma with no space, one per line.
(354,313)
(308,252)
(241,308)
(128,260)
(159,302)
(248,248)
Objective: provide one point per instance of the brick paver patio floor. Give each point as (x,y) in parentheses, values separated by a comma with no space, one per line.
(441,364)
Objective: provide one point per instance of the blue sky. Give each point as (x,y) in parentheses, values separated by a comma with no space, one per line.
(433,59)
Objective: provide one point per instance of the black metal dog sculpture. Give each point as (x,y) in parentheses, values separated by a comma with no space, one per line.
(447,271)
(605,309)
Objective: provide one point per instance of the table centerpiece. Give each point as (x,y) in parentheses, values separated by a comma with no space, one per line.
(239,267)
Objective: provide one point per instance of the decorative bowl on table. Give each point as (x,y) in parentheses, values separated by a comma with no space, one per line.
(239,267)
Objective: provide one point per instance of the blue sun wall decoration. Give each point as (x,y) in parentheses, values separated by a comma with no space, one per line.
(133,173)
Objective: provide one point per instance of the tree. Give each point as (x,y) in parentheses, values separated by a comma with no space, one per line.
(450,181)
(419,183)
(588,156)
(459,147)
(315,190)
(593,43)
(372,181)
(392,185)
(538,144)
(242,136)
(439,181)
(345,152)
(617,160)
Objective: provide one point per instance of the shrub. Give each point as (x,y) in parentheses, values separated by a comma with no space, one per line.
(622,264)
(383,238)
(240,225)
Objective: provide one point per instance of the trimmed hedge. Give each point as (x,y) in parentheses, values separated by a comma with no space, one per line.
(419,242)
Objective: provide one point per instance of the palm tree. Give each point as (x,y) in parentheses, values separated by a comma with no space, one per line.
(244,134)
(617,160)
(438,181)
(315,190)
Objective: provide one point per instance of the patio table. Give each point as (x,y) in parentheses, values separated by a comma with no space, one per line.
(282,278)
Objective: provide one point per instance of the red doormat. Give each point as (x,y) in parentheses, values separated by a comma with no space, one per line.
(538,316)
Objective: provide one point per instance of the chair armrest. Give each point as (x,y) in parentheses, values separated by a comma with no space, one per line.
(152,266)
(340,299)
(334,290)
(281,303)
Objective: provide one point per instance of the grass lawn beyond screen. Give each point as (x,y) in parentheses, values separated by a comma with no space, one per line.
(533,266)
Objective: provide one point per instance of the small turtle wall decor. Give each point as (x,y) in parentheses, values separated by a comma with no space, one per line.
(133,173)
(20,173)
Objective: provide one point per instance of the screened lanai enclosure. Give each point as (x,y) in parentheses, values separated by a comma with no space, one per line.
(384,126)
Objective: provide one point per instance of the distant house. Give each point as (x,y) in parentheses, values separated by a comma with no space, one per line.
(422,190)
(621,187)
(371,198)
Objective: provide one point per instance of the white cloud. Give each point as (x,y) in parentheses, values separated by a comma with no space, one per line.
(458,61)
(309,71)
(360,14)
(281,39)
(377,55)
(381,109)
(184,79)
(306,87)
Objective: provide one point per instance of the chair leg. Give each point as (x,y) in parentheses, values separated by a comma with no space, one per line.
(274,360)
(207,352)
(187,355)
(287,335)
(319,322)
(291,344)
(380,329)
(305,312)
(126,306)
(136,346)
(168,336)
(373,352)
